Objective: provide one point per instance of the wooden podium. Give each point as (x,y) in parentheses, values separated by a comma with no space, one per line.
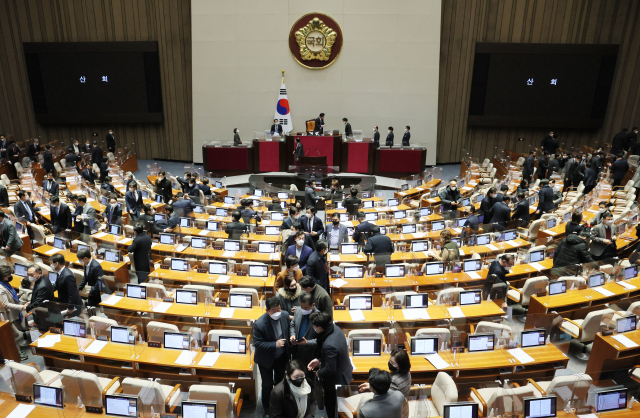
(317,161)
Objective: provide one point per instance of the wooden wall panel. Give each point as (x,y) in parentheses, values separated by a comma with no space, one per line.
(165,21)
(465,22)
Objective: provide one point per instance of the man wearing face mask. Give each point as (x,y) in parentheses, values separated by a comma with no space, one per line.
(93,273)
(336,233)
(347,127)
(406,137)
(545,198)
(42,288)
(376,136)
(310,197)
(299,248)
(303,336)
(498,272)
(289,220)
(271,335)
(603,239)
(389,140)
(111,141)
(311,224)
(317,265)
(451,198)
(60,216)
(133,200)
(486,205)
(602,208)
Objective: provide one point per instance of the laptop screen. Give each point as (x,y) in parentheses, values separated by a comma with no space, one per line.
(122,335)
(483,239)
(348,248)
(159,199)
(115,229)
(417,246)
(177,340)
(557,287)
(399,214)
(240,300)
(258,271)
(74,328)
(231,245)
(178,264)
(404,187)
(367,204)
(364,303)
(212,226)
(277,216)
(112,256)
(533,338)
(437,226)
(354,272)
(393,271)
(472,265)
(423,345)
(272,230)
(198,209)
(544,407)
(167,239)
(371,217)
(610,400)
(551,223)
(82,247)
(266,247)
(628,323)
(630,272)
(186,296)
(472,297)
(159,217)
(596,280)
(217,268)
(283,195)
(536,256)
(257,193)
(392,202)
(185,222)
(47,395)
(229,200)
(136,291)
(233,345)
(20,270)
(58,243)
(425,211)
(344,217)
(509,235)
(221,212)
(121,406)
(480,342)
(417,301)
(199,409)
(460,410)
(199,243)
(218,185)
(409,229)
(434,268)
(367,347)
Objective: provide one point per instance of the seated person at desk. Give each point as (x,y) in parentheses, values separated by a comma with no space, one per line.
(572,250)
(274,206)
(293,217)
(106,185)
(498,272)
(363,229)
(247,212)
(147,216)
(206,189)
(311,224)
(112,213)
(276,128)
(50,186)
(236,228)
(288,295)
(300,249)
(386,403)
(353,199)
(192,189)
(172,221)
(575,225)
(60,216)
(450,197)
(400,368)
(295,228)
(88,174)
(291,269)
(319,126)
(472,225)
(184,206)
(133,200)
(521,210)
(603,239)
(336,233)
(378,243)
(449,250)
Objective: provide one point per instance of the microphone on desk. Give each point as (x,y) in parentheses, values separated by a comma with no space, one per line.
(308,149)
(317,151)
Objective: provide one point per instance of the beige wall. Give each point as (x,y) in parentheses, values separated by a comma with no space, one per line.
(387,72)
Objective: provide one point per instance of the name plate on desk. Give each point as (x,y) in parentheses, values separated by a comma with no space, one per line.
(607,332)
(222,304)
(93,409)
(54,330)
(208,349)
(379,274)
(169,300)
(102,338)
(252,250)
(339,308)
(164,267)
(121,294)
(541,294)
(241,274)
(397,306)
(217,248)
(582,287)
(336,276)
(168,415)
(23,398)
(154,344)
(202,271)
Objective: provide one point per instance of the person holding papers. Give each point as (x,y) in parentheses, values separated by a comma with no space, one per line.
(498,272)
(93,273)
(141,249)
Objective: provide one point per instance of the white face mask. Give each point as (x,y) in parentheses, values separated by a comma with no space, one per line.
(275,316)
(300,242)
(452,188)
(296,268)
(608,223)
(389,131)
(309,215)
(32,279)
(306,312)
(601,210)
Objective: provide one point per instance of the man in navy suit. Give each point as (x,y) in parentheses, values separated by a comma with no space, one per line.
(406,137)
(66,286)
(276,128)
(363,229)
(184,206)
(24,210)
(311,224)
(134,202)
(501,215)
(112,213)
(50,186)
(299,250)
(389,141)
(376,136)
(60,216)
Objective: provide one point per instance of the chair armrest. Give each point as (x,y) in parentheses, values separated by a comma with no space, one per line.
(348,406)
(535,385)
(481,399)
(168,406)
(237,402)
(407,343)
(106,389)
(471,328)
(517,290)
(34,365)
(574,323)
(516,384)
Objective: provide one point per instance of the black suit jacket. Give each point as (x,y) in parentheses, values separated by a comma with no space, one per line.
(111,142)
(310,197)
(501,215)
(50,187)
(33,150)
(22,213)
(78,226)
(347,129)
(376,138)
(141,249)
(316,269)
(389,141)
(545,199)
(134,203)
(495,268)
(264,339)
(92,277)
(318,127)
(42,290)
(485,208)
(276,129)
(630,140)
(619,169)
(235,226)
(67,289)
(361,231)
(309,225)
(527,167)
(62,220)
(96,155)
(542,168)
(4,196)
(405,138)
(379,244)
(163,188)
(333,352)
(116,217)
(48,161)
(299,151)
(521,211)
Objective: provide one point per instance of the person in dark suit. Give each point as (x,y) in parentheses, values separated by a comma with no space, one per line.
(597,163)
(631,139)
(184,181)
(549,144)
(317,265)
(141,250)
(319,128)
(42,288)
(347,127)
(106,185)
(236,137)
(73,159)
(310,197)
(619,168)
(11,242)
(236,225)
(77,223)
(521,210)
(271,335)
(554,165)
(303,336)
(389,140)
(24,210)
(13,153)
(543,166)
(163,186)
(111,141)
(184,206)
(206,189)
(311,224)
(501,216)
(87,147)
(4,146)
(296,227)
(589,180)
(50,186)
(48,159)
(378,243)
(498,270)
(247,213)
(353,199)
(472,223)
(104,168)
(385,402)
(276,128)
(66,286)
(88,174)
(406,137)
(275,206)
(293,217)
(336,233)
(502,195)
(603,239)
(112,213)
(33,150)
(618,141)
(300,250)
(96,154)
(133,200)
(528,166)
(376,136)
(298,151)
(75,147)
(60,216)
(486,205)
(363,229)
(93,273)
(4,196)
(545,198)
(450,197)
(332,355)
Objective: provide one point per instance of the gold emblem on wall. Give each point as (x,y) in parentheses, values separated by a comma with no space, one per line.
(315,41)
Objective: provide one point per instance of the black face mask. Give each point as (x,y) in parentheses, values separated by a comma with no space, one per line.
(392,368)
(336,222)
(297,382)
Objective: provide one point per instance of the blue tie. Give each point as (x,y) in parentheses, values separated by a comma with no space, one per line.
(28,210)
(110,214)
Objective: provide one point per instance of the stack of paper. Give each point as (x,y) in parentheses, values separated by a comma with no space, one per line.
(49,340)
(521,356)
(334,257)
(437,361)
(229,254)
(186,357)
(603,291)
(52,251)
(492,247)
(100,235)
(456,312)
(474,275)
(227,312)
(222,279)
(162,307)
(420,313)
(537,266)
(95,347)
(209,359)
(624,340)
(264,223)
(274,256)
(112,300)
(21,411)
(204,232)
(626,285)
(356,315)
(418,235)
(513,243)
(338,283)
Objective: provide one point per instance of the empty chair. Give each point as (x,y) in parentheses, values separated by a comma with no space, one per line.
(399,296)
(532,286)
(365,333)
(156,330)
(584,330)
(530,233)
(155,290)
(25,375)
(449,295)
(88,386)
(213,337)
(489,398)
(577,384)
(443,334)
(228,404)
(443,391)
(499,330)
(573,282)
(20,260)
(165,398)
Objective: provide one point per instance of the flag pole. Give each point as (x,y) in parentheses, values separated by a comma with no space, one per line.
(283,76)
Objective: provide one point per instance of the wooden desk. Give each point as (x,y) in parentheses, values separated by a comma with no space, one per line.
(607,354)
(8,348)
(417,191)
(193,277)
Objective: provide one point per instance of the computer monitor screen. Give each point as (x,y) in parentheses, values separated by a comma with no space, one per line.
(218,185)
(557,287)
(212,226)
(480,342)
(185,222)
(221,212)
(365,195)
(283,195)
(551,223)
(178,264)
(630,272)
(199,243)
(258,271)
(240,300)
(417,246)
(367,204)
(367,347)
(383,230)
(272,230)
(437,226)
(404,187)
(392,202)
(628,323)
(461,222)
(354,272)
(536,256)
(231,245)
(217,268)
(483,239)
(145,194)
(344,217)
(422,345)
(532,200)
(229,200)
(115,229)
(53,277)
(425,211)
(472,265)
(121,406)
(416,301)
(360,302)
(610,400)
(596,280)
(74,328)
(544,407)
(81,247)
(472,297)
(339,205)
(20,270)
(19,227)
(460,410)
(258,193)
(187,297)
(434,268)
(58,243)
(509,235)
(348,248)
(136,291)
(409,229)
(283,205)
(393,271)
(159,199)
(122,335)
(567,216)
(233,345)
(167,239)
(199,409)
(198,209)
(371,217)
(159,217)
(399,214)
(277,216)
(103,200)
(177,340)
(466,202)
(112,256)
(266,247)
(47,395)
(533,337)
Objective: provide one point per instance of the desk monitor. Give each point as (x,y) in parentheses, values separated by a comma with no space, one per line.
(240,300)
(533,337)
(404,187)
(536,256)
(360,302)
(480,342)
(113,256)
(471,265)
(20,270)
(185,222)
(434,194)
(218,185)
(202,409)
(199,243)
(344,217)
(73,328)
(232,345)
(365,195)
(221,212)
(420,300)
(458,241)
(544,407)
(419,183)
(187,296)
(178,264)
(610,400)
(258,270)
(425,211)
(258,193)
(626,324)
(466,202)
(509,235)
(437,226)
(229,200)
(121,334)
(399,214)
(483,239)
(391,270)
(424,345)
(168,239)
(437,267)
(567,217)
(392,202)
(532,200)
(266,247)
(159,216)
(481,218)
(53,277)
(371,217)
(283,205)
(145,194)
(551,222)
(367,346)
(596,280)
(121,406)
(177,340)
(409,229)
(47,395)
(557,287)
(460,222)
(20,227)
(460,410)
(212,226)
(348,248)
(277,216)
(417,246)
(198,209)
(272,230)
(159,198)
(81,247)
(283,195)
(230,245)
(115,229)
(367,204)
(217,267)
(630,272)
(472,297)
(58,243)
(103,200)
(339,205)
(353,272)
(136,291)
(383,230)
